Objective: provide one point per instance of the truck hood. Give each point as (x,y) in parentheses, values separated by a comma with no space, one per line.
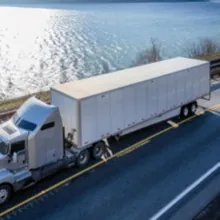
(10,132)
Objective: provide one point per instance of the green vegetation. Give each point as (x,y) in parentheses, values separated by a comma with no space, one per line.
(209,57)
(16,102)
(204,49)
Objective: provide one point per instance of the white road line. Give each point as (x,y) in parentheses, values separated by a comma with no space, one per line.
(185,192)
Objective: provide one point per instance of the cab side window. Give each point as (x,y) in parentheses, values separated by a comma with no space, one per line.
(47,126)
(17,146)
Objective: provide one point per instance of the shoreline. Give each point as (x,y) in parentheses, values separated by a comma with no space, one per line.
(14,103)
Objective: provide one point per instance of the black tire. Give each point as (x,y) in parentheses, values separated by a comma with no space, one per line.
(5,193)
(193,107)
(185,112)
(83,158)
(98,150)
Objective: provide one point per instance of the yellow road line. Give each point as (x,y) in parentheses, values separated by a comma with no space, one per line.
(201,112)
(214,107)
(134,146)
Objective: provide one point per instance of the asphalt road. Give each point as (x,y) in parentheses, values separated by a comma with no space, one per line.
(138,184)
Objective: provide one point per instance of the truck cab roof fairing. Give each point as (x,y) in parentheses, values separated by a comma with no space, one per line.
(33,113)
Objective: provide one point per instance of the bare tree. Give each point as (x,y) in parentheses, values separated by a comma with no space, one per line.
(203,47)
(105,67)
(10,83)
(150,55)
(63,77)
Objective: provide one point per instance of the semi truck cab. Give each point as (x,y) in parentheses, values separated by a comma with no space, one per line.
(33,136)
(30,141)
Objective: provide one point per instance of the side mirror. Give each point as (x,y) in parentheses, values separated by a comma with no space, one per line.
(14,157)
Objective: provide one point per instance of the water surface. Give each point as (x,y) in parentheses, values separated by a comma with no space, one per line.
(41,45)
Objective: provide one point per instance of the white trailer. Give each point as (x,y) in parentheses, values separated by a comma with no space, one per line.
(40,139)
(118,103)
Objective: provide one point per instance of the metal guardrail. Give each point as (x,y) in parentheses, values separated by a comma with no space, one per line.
(215,67)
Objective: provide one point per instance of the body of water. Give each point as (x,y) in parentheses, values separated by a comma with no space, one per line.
(41,45)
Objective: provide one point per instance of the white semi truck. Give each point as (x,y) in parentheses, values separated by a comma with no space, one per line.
(40,138)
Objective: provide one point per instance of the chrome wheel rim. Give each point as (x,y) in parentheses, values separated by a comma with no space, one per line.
(82,157)
(193,108)
(185,111)
(3,195)
(98,151)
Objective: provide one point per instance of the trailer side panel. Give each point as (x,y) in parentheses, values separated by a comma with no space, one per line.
(98,115)
(113,112)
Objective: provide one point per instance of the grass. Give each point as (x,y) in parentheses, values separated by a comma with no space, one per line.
(16,102)
(45,95)
(209,57)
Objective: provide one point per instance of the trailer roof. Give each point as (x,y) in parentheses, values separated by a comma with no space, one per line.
(83,88)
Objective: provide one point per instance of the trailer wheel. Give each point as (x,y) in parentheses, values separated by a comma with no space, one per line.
(98,150)
(185,111)
(193,108)
(5,193)
(83,158)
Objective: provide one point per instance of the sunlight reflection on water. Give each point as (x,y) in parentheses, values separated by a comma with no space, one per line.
(44,45)
(32,48)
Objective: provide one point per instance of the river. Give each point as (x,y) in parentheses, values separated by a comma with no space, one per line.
(41,45)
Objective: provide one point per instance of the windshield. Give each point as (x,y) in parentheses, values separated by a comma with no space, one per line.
(3,147)
(22,123)
(27,125)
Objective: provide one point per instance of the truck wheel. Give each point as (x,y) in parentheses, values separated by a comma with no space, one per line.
(193,108)
(184,111)
(83,158)
(5,193)
(98,150)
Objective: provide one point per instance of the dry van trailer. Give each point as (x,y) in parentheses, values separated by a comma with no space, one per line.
(121,102)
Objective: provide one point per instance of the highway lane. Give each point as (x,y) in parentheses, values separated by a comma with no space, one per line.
(136,185)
